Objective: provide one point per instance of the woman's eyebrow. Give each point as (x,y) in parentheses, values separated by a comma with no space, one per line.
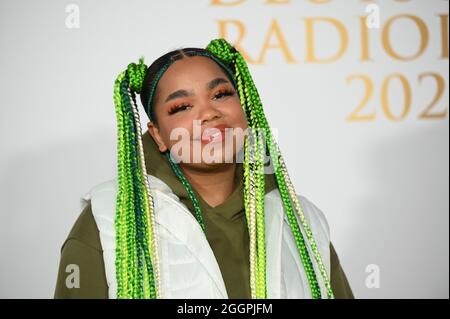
(211,85)
(184,93)
(177,94)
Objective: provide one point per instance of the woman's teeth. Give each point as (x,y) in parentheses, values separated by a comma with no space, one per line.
(215,137)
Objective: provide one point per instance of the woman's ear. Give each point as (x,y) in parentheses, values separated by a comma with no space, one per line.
(154,132)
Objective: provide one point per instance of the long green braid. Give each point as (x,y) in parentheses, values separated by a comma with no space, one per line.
(252,105)
(137,268)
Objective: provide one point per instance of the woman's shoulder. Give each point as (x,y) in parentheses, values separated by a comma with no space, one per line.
(81,253)
(111,185)
(85,229)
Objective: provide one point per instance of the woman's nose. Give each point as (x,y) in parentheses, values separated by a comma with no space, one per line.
(209,113)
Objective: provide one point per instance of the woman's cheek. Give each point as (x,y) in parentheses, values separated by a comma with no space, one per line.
(180,133)
(241,119)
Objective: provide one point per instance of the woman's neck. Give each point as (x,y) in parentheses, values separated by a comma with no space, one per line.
(214,186)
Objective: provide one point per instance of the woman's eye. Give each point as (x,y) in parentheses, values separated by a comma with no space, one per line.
(178,108)
(223,93)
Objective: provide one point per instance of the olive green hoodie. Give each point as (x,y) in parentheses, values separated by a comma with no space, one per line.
(226,232)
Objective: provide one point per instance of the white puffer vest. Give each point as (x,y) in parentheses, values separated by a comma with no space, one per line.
(189,269)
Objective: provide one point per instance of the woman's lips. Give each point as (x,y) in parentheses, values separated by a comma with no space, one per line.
(213,134)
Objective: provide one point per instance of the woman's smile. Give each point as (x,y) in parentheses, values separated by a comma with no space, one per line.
(214,134)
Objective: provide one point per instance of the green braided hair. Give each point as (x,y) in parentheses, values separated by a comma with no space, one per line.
(254,178)
(137,268)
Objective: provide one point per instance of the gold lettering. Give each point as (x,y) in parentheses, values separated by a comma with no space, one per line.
(222,3)
(423,37)
(440,89)
(365,53)
(223,33)
(385,97)
(368,85)
(310,48)
(280,44)
(444,35)
(278,1)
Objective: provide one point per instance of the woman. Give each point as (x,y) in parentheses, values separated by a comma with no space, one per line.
(186,218)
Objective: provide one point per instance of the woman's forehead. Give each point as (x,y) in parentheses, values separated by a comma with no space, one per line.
(190,70)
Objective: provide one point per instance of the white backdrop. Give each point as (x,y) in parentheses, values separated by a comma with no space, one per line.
(346,98)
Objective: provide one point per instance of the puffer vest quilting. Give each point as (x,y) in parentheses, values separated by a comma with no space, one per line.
(189,269)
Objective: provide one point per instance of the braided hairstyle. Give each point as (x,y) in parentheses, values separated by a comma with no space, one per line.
(137,265)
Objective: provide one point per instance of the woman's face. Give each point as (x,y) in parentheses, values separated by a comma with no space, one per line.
(192,97)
